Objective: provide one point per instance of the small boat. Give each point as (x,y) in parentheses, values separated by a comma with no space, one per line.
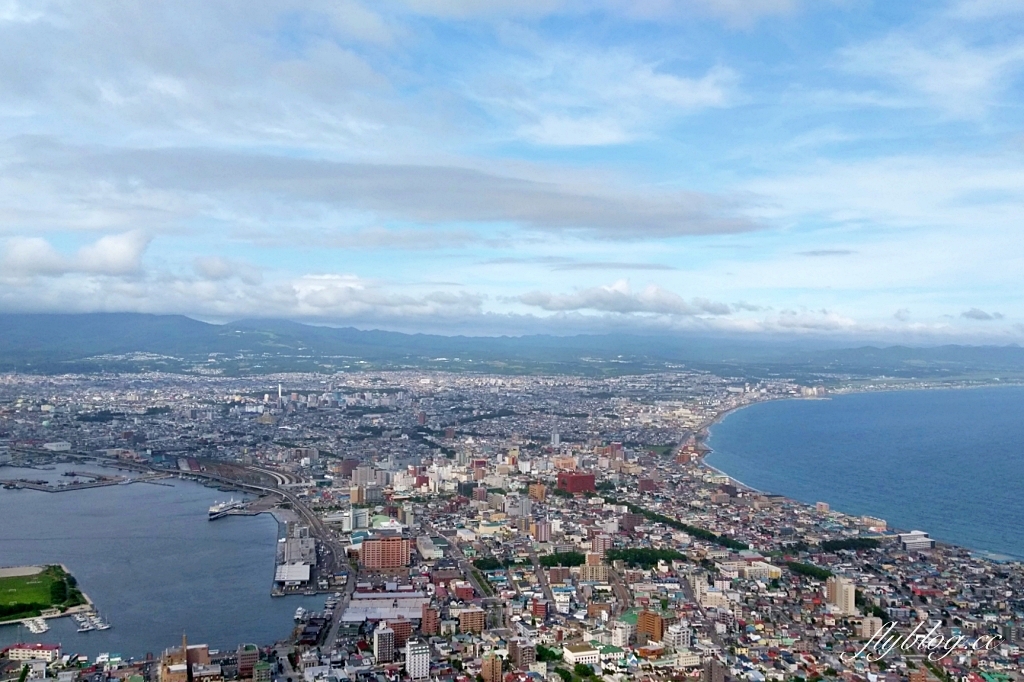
(86,627)
(300,613)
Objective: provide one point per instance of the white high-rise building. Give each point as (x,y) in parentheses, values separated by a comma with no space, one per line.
(841,593)
(417,659)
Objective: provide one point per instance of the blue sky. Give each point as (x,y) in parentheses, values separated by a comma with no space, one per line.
(840,168)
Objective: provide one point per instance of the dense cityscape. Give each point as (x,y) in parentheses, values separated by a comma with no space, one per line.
(505,528)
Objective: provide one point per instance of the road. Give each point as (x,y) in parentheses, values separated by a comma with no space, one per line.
(542,577)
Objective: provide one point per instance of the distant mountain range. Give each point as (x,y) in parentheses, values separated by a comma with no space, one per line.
(131,341)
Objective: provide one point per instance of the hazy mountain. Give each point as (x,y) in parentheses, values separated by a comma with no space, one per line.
(62,342)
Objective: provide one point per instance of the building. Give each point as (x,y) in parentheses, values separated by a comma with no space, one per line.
(869,626)
(537,492)
(33,652)
(385,552)
(261,672)
(248,656)
(383,644)
(541,531)
(463,590)
(591,573)
(620,634)
(714,671)
(601,544)
(402,627)
(427,549)
(472,619)
(576,482)
(182,664)
(841,593)
(916,541)
(586,654)
(490,670)
(650,624)
(417,660)
(523,652)
(430,620)
(678,636)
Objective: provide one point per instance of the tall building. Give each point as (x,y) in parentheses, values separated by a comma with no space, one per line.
(417,660)
(713,671)
(841,592)
(538,492)
(576,482)
(522,651)
(402,628)
(385,552)
(384,644)
(491,668)
(541,531)
(363,475)
(650,624)
(248,656)
(430,620)
(600,544)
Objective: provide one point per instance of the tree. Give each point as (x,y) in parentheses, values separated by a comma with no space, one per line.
(582,670)
(564,674)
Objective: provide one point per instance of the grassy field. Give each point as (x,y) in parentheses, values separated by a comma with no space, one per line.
(26,589)
(27,595)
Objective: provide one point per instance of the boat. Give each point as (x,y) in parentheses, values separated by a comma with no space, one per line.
(223,508)
(36,626)
(300,614)
(86,627)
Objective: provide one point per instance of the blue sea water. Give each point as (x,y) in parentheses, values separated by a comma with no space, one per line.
(949,462)
(152,563)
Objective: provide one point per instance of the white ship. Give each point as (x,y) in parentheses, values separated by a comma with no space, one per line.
(222,508)
(300,614)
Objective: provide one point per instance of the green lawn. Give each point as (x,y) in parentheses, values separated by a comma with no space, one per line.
(26,589)
(25,596)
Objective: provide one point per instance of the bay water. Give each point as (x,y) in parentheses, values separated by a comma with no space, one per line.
(949,462)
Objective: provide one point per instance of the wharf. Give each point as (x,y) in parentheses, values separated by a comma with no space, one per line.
(95,481)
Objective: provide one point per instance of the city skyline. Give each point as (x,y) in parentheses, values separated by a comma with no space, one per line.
(842,169)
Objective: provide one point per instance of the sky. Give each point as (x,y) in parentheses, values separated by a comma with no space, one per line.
(843,169)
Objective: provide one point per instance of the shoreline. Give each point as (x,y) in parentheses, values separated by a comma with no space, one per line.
(703,434)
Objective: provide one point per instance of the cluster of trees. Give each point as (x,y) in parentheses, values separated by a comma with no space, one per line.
(28,610)
(702,533)
(488,563)
(643,556)
(562,559)
(849,543)
(547,655)
(809,570)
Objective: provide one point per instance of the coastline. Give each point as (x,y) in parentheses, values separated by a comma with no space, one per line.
(703,433)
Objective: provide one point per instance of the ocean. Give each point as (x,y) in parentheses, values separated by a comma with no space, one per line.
(152,563)
(948,462)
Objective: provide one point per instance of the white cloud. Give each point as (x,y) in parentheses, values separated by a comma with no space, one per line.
(961,80)
(620,298)
(119,254)
(566,97)
(216,268)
